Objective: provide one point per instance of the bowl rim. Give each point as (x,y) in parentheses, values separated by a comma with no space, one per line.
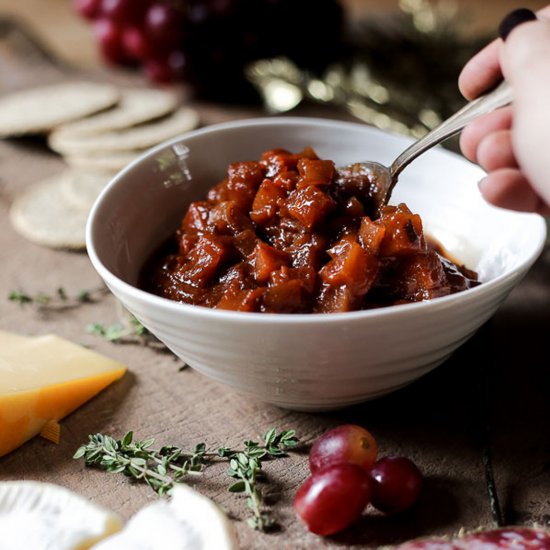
(206,313)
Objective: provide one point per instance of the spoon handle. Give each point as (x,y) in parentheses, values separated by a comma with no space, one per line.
(499,97)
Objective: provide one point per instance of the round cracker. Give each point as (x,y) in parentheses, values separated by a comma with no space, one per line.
(106,162)
(135,107)
(129,139)
(43,215)
(82,188)
(39,110)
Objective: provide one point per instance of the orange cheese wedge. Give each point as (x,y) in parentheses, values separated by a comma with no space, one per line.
(43,379)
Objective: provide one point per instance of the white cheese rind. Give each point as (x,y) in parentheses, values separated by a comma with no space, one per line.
(42,516)
(189,521)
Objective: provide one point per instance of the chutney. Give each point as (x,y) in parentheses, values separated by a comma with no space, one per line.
(291,233)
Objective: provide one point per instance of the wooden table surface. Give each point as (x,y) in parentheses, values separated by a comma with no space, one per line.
(500,380)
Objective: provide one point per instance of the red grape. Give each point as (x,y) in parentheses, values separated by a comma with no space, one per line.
(120,11)
(396,484)
(166,68)
(157,71)
(333,498)
(347,443)
(135,43)
(109,37)
(90,9)
(163,25)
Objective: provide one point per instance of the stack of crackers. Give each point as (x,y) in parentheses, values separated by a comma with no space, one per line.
(98,129)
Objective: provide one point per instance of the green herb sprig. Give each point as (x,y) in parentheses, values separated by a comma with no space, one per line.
(60,300)
(246,467)
(161,468)
(119,333)
(129,332)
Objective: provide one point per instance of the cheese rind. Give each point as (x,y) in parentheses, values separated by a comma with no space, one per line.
(44,379)
(189,521)
(42,516)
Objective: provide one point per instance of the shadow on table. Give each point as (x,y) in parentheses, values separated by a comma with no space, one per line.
(376,530)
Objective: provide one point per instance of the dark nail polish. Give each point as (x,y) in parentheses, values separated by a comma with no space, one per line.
(513,19)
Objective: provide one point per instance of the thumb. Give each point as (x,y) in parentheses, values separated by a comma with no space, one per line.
(526,52)
(525,61)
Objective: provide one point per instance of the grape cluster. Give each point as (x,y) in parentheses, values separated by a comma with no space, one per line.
(208,42)
(346,476)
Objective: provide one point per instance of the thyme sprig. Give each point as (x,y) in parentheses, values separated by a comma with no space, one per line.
(119,332)
(131,331)
(59,300)
(246,467)
(161,468)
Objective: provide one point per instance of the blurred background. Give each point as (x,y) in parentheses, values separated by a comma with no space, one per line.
(390,63)
(71,38)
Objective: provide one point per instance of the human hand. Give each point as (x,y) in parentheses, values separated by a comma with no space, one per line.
(512,144)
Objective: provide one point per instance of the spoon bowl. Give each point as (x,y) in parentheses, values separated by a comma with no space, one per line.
(385,177)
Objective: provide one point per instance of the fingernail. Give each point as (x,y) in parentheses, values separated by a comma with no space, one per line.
(481,183)
(513,19)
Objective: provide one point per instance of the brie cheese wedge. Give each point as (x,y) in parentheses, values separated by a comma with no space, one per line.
(188,521)
(42,516)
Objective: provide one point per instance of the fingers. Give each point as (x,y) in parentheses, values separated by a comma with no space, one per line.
(495,151)
(481,127)
(526,51)
(526,64)
(508,188)
(483,70)
(525,54)
(524,59)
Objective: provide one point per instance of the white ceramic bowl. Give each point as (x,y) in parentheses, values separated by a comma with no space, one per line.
(308,361)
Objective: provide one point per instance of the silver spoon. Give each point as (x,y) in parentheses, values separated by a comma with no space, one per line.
(385,177)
